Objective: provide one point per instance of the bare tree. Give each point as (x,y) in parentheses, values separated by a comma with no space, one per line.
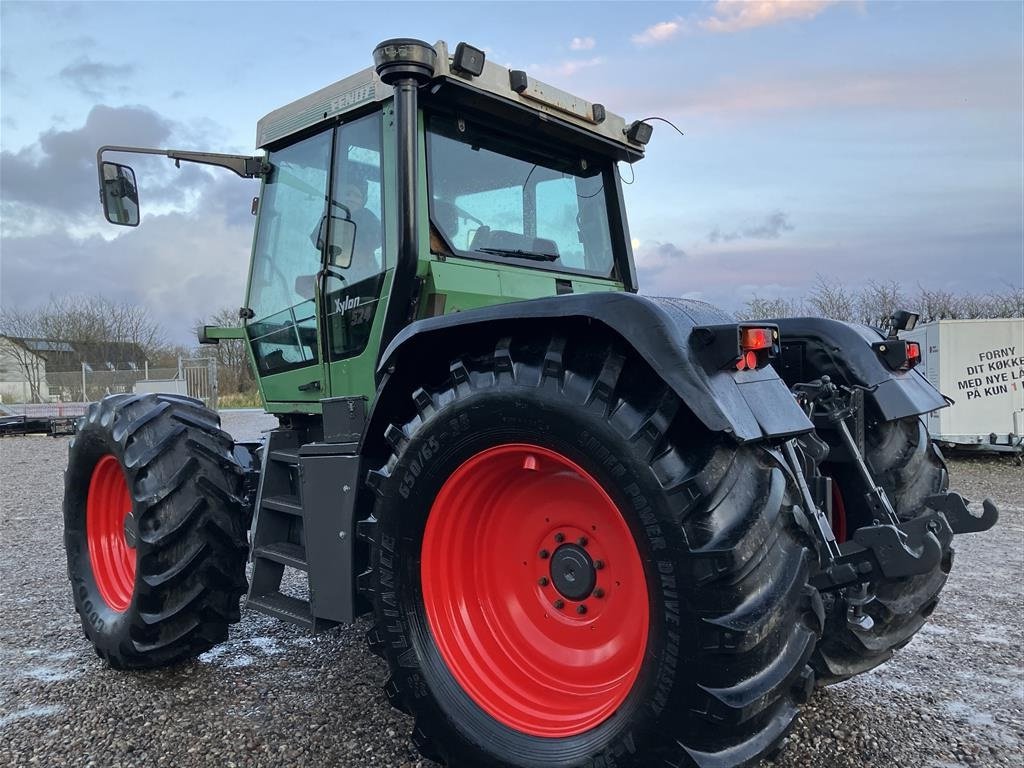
(830,299)
(17,325)
(99,320)
(235,371)
(104,325)
(938,305)
(765,309)
(877,301)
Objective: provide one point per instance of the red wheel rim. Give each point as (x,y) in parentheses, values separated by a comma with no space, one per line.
(509,535)
(838,513)
(112,557)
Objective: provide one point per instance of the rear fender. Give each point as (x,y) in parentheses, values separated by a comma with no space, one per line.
(813,347)
(749,405)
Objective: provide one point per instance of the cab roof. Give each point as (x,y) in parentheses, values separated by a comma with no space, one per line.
(510,91)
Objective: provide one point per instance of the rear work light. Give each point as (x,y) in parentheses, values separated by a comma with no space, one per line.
(898,355)
(736,347)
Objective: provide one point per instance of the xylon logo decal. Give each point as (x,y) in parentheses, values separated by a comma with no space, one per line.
(346,303)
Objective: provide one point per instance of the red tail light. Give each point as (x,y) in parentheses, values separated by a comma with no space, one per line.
(756,338)
(898,354)
(913,353)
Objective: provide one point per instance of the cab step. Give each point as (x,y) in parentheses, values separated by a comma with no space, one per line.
(290,609)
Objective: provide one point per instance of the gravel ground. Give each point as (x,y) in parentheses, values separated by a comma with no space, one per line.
(275,696)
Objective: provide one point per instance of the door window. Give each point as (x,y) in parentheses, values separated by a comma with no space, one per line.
(354,280)
(287,256)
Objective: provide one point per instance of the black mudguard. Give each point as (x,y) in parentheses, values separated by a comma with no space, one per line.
(749,405)
(813,347)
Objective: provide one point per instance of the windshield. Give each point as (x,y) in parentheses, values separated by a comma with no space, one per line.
(494,198)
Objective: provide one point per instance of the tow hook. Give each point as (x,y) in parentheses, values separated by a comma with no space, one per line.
(889,552)
(953,507)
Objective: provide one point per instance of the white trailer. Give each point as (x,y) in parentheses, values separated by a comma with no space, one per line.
(979,364)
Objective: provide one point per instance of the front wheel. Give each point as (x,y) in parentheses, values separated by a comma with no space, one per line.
(567,569)
(154,529)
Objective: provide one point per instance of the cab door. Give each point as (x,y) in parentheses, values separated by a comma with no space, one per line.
(356,273)
(286,264)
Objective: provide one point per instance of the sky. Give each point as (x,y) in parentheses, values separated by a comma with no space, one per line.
(849,141)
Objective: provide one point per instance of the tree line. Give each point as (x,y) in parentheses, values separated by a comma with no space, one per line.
(100,321)
(874,302)
(104,324)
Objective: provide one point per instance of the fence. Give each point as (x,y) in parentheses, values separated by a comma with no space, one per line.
(68,393)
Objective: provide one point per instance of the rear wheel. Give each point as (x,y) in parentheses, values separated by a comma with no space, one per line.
(566,568)
(909,466)
(154,529)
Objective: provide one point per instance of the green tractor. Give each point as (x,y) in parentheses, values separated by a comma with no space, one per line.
(592,528)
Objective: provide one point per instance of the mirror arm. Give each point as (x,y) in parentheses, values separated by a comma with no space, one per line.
(246,166)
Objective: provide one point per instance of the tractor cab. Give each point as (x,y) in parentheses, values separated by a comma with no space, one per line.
(496,188)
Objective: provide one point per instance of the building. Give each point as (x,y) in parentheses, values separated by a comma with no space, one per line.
(39,370)
(22,372)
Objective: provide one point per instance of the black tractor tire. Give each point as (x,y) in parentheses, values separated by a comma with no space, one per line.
(732,619)
(172,595)
(910,467)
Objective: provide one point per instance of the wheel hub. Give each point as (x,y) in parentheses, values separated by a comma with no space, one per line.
(572,572)
(111,533)
(534,590)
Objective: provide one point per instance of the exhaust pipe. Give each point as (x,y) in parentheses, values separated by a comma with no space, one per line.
(404,64)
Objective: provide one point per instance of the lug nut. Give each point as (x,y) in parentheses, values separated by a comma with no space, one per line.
(598,592)
(544,554)
(598,564)
(543,581)
(559,537)
(581,609)
(559,604)
(583,541)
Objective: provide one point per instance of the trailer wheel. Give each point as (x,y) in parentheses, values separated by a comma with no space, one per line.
(154,529)
(906,462)
(568,570)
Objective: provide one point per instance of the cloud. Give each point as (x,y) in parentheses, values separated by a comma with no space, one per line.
(738,15)
(734,16)
(94,78)
(187,259)
(770,228)
(57,175)
(658,33)
(582,44)
(566,68)
(180,266)
(991,83)
(85,42)
(654,256)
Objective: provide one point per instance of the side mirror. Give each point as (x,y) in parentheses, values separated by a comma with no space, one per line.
(120,195)
(343,239)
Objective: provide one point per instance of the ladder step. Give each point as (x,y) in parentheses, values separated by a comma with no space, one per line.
(283,607)
(290,609)
(287,504)
(284,552)
(285,457)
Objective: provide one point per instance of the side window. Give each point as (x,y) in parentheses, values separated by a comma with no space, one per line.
(556,219)
(572,212)
(353,285)
(287,256)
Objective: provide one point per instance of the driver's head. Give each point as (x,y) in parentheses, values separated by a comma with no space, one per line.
(353,195)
